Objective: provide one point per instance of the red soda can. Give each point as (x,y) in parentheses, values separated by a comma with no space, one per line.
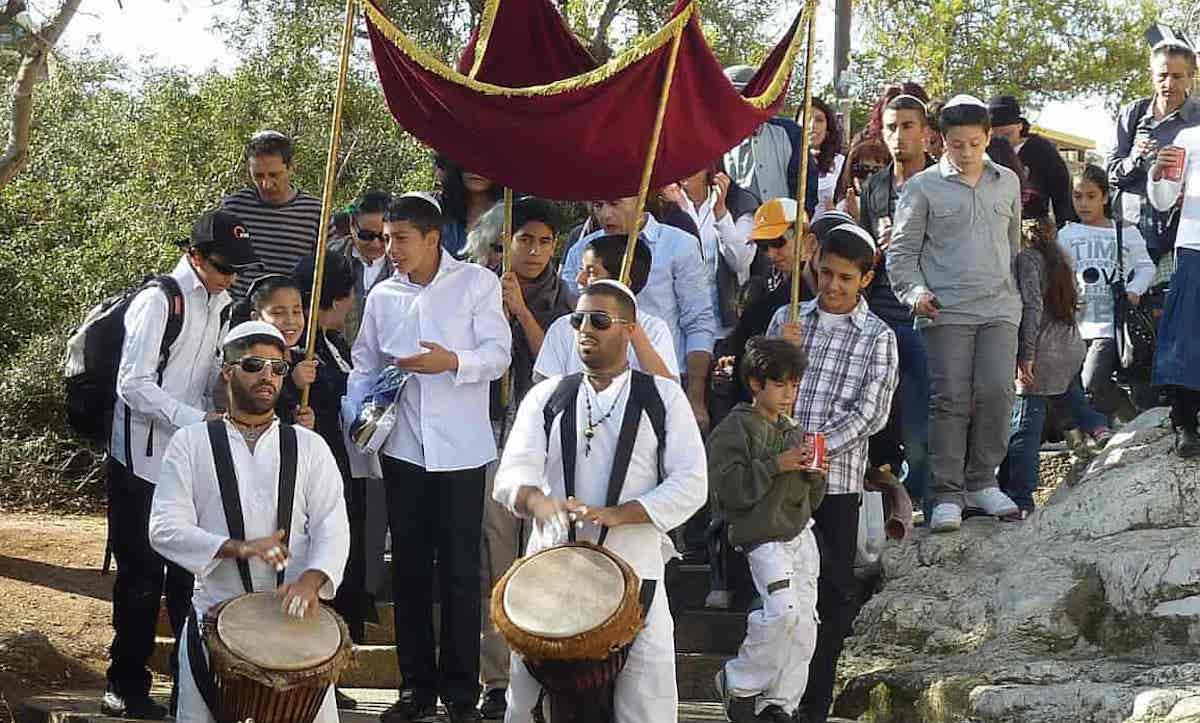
(816,441)
(1174,172)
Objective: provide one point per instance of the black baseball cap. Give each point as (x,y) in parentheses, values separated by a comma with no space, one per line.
(221,232)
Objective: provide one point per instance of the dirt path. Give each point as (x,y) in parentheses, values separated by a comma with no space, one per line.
(55,609)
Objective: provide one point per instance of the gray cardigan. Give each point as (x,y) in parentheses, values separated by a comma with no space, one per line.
(1056,348)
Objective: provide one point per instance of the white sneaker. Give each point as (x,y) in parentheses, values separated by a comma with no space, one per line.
(946,517)
(992,501)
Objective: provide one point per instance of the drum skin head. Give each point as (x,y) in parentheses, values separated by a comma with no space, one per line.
(561,593)
(255,629)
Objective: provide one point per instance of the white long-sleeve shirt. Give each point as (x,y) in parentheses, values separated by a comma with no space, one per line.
(1164,193)
(529,461)
(443,421)
(187,519)
(183,396)
(724,238)
(1094,251)
(559,357)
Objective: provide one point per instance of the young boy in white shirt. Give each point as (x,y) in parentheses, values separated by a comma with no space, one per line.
(442,320)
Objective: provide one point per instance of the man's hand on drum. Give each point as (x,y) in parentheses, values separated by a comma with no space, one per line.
(626,513)
(550,513)
(270,550)
(300,597)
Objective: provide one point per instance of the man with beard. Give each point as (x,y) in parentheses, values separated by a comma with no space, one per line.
(250,458)
(664,481)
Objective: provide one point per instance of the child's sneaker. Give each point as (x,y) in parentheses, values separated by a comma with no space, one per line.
(719,600)
(737,710)
(992,501)
(774,714)
(1100,438)
(946,517)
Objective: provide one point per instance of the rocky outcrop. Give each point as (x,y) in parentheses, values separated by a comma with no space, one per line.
(1087,611)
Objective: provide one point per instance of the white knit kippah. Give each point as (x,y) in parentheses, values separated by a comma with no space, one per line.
(858,231)
(428,197)
(964,99)
(619,287)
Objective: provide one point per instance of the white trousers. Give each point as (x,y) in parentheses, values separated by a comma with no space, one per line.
(773,660)
(645,692)
(193,710)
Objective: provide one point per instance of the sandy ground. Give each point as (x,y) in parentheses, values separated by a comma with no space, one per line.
(55,609)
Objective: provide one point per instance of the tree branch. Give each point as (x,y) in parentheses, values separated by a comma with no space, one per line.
(600,50)
(16,153)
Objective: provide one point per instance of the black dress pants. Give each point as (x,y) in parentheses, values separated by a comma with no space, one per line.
(1185,405)
(139,585)
(436,515)
(837,598)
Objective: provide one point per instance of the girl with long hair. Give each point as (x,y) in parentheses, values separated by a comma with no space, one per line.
(1049,353)
(825,144)
(465,197)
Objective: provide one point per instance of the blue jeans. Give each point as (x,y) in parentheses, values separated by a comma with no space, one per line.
(1078,409)
(1019,473)
(914,413)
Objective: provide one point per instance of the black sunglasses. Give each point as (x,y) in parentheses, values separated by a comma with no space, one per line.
(773,244)
(220,266)
(600,320)
(255,364)
(368,235)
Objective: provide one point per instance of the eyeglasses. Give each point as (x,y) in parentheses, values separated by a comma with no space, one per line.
(255,364)
(773,244)
(600,320)
(368,235)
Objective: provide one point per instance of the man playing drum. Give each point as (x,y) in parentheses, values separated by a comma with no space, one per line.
(662,486)
(188,520)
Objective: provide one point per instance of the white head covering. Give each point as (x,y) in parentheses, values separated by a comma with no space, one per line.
(856,230)
(619,287)
(964,99)
(253,328)
(428,197)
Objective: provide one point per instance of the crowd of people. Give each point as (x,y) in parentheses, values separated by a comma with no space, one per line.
(962,299)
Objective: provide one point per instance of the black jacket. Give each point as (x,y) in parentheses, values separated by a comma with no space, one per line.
(1048,183)
(878,201)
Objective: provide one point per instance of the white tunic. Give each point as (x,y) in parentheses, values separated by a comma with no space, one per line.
(646,687)
(188,527)
(558,356)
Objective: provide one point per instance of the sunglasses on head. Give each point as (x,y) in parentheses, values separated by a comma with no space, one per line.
(368,235)
(255,364)
(600,320)
(772,244)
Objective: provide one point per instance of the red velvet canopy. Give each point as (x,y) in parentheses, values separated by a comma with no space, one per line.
(586,136)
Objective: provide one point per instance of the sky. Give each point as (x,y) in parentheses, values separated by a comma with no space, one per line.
(175,32)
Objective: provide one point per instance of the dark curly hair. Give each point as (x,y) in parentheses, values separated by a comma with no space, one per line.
(832,145)
(454,192)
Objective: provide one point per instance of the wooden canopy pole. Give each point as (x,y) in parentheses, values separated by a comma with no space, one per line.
(506,265)
(335,139)
(651,155)
(802,184)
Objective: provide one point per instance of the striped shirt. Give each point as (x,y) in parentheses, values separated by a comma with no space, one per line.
(846,391)
(282,235)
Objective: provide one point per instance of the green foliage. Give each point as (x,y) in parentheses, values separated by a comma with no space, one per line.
(1034,49)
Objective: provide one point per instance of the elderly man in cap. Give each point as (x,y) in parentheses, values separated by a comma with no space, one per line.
(154,400)
(246,462)
(1047,180)
(767,162)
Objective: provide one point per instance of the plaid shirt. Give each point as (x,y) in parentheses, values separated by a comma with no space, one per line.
(846,392)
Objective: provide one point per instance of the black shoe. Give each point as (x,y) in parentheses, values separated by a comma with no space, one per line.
(741,710)
(493,706)
(463,713)
(774,714)
(1187,444)
(414,705)
(138,708)
(344,702)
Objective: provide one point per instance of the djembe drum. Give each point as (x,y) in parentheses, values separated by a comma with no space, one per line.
(271,667)
(572,613)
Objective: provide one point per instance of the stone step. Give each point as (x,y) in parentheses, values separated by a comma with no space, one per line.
(375,667)
(83,706)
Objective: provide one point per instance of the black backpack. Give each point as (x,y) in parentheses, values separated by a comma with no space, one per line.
(94,355)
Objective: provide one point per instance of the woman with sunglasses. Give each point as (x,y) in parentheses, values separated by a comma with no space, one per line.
(365,250)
